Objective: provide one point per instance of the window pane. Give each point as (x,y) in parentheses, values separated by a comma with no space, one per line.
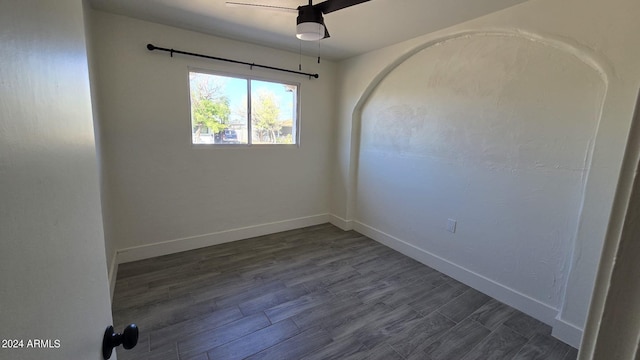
(273,112)
(218,109)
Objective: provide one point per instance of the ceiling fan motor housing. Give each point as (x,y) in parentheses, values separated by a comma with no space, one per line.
(309,14)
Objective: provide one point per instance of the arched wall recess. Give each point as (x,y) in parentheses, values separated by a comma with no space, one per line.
(549,306)
(586,55)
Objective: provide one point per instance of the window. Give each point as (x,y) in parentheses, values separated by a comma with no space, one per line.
(221,107)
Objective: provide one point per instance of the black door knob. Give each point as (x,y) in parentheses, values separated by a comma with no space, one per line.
(128,339)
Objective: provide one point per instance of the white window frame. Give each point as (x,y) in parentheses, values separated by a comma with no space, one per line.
(248,78)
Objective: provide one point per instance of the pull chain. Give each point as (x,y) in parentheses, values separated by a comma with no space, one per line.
(300,53)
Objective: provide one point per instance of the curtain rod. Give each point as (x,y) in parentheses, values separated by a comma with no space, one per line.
(152,47)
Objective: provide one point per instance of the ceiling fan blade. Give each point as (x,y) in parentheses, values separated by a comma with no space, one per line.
(335,5)
(259,6)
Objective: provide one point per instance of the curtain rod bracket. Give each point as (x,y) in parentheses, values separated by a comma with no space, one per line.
(152,47)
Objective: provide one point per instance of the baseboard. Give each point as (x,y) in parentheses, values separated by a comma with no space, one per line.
(511,297)
(113,272)
(343,224)
(195,242)
(567,332)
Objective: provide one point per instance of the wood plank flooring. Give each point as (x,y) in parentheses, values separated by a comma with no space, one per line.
(315,293)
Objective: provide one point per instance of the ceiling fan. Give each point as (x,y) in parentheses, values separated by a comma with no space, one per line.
(310,22)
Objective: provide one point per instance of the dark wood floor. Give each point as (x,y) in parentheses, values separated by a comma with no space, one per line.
(316,293)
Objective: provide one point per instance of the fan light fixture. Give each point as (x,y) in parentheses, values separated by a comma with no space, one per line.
(310,31)
(310,24)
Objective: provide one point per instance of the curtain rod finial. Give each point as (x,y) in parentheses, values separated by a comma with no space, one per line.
(151,47)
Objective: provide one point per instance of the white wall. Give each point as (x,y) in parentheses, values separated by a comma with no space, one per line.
(52,262)
(613,326)
(492,131)
(109,245)
(498,122)
(166,195)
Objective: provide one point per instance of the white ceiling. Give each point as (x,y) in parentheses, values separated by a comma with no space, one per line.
(354,30)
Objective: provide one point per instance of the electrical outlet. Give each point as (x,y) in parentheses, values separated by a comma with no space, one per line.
(451,225)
